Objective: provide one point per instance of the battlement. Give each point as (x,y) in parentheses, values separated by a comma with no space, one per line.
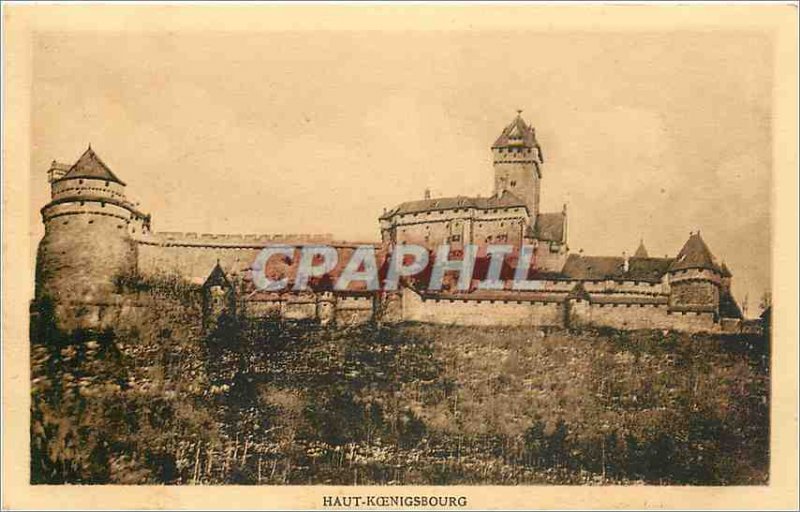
(244,238)
(242,241)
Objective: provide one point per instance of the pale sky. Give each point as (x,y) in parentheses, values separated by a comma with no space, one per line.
(649,135)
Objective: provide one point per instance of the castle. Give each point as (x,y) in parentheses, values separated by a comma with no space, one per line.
(94,235)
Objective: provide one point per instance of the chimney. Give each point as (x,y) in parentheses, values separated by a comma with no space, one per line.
(427,193)
(626,264)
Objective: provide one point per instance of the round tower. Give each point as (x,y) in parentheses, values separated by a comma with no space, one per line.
(88,226)
(518,163)
(695,278)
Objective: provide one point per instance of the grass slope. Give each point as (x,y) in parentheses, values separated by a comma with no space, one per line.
(158,402)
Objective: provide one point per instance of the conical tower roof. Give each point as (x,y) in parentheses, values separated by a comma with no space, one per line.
(89,165)
(694,254)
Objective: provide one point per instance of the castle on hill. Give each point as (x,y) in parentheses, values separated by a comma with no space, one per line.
(94,235)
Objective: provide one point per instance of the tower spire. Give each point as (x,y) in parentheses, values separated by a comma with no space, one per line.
(641,251)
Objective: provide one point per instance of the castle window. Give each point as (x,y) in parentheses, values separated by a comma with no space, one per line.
(513,183)
(82,203)
(455,238)
(80,182)
(106,183)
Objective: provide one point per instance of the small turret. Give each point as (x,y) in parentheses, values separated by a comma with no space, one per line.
(641,251)
(219,298)
(57,171)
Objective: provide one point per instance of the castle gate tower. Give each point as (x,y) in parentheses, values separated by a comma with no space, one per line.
(517,163)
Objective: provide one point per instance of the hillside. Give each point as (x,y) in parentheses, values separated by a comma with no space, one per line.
(156,401)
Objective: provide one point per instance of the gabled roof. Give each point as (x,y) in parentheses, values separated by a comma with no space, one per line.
(217,277)
(505,200)
(694,254)
(89,165)
(641,251)
(602,268)
(517,134)
(550,227)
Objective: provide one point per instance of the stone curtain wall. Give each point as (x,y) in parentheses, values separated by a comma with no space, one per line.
(193,256)
(481,312)
(638,316)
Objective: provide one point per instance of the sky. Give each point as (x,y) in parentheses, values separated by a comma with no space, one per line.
(645,135)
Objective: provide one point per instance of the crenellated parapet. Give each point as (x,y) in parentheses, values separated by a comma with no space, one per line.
(245,240)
